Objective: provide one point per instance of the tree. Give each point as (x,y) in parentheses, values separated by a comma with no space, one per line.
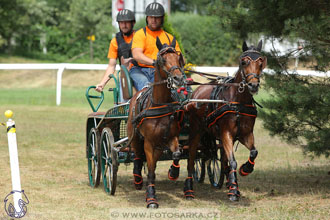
(192,6)
(87,18)
(22,22)
(300,109)
(204,41)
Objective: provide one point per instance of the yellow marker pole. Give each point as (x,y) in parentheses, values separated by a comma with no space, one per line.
(13,154)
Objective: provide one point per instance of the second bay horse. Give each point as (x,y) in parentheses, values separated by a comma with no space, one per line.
(230,121)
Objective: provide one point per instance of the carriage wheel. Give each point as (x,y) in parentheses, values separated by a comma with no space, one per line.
(215,169)
(199,174)
(109,161)
(94,167)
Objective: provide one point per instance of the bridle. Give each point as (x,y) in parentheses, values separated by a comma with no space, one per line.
(170,79)
(253,56)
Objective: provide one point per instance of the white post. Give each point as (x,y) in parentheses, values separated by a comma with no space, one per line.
(13,154)
(59,84)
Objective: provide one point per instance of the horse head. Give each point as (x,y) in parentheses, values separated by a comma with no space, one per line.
(170,64)
(251,65)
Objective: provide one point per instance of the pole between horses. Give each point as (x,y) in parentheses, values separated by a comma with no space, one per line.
(208,101)
(13,155)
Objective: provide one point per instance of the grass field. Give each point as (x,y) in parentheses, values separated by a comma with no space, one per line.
(51,144)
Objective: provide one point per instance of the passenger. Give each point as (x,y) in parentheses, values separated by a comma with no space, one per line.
(120,46)
(144,47)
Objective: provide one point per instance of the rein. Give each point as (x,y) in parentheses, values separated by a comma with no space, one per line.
(217,80)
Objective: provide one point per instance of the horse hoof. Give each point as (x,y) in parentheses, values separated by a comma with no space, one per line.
(233,198)
(173,173)
(138,181)
(152,206)
(172,178)
(241,172)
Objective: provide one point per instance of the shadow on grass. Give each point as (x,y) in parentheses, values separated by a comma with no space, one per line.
(261,184)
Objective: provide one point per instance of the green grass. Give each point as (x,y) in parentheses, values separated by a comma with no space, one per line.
(47,97)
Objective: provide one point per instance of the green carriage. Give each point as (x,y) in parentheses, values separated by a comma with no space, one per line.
(107,144)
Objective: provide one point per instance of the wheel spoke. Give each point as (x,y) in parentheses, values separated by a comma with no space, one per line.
(93,144)
(105,148)
(106,169)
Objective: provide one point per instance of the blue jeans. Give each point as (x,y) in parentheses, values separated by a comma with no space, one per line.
(141,76)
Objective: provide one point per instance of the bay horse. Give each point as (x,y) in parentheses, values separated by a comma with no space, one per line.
(231,120)
(154,117)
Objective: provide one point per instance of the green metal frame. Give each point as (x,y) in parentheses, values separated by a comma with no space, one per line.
(116,91)
(89,97)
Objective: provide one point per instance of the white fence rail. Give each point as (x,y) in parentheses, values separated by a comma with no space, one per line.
(60,67)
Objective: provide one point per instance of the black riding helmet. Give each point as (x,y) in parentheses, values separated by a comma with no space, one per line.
(155,9)
(125,15)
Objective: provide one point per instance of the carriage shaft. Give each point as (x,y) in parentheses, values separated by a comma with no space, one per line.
(208,101)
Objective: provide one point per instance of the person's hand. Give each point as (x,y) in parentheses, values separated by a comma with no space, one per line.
(99,87)
(126,61)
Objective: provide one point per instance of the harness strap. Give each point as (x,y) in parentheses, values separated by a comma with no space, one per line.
(233,107)
(158,112)
(255,102)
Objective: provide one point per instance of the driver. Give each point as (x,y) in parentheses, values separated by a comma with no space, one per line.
(144,47)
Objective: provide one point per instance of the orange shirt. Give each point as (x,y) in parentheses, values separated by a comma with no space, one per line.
(113,47)
(147,42)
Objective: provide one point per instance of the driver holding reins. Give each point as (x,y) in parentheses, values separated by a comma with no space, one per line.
(144,49)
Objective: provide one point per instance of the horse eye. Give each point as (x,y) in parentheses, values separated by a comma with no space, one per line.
(243,62)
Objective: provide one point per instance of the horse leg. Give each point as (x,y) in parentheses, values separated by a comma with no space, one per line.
(224,161)
(233,193)
(188,184)
(174,171)
(138,163)
(247,167)
(138,179)
(152,155)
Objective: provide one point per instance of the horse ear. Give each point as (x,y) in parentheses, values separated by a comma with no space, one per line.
(259,45)
(173,44)
(159,44)
(244,47)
